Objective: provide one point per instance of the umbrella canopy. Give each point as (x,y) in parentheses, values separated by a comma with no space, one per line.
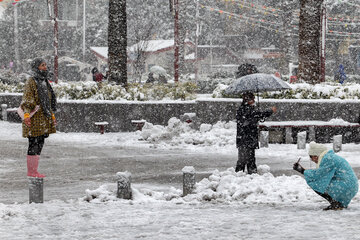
(258,82)
(157,70)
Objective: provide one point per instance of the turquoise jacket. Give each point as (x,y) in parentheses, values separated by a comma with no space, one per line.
(335,177)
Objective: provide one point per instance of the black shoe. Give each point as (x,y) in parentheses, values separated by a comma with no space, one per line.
(334,206)
(239,168)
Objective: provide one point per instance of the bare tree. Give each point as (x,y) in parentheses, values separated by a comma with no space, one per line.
(117,42)
(309,41)
(138,54)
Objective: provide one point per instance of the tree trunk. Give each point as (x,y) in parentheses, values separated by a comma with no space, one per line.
(309,41)
(286,41)
(117,42)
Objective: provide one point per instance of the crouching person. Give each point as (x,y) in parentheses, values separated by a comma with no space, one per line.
(333,178)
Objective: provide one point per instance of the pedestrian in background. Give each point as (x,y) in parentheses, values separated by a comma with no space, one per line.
(333,178)
(97,76)
(38,105)
(340,75)
(247,118)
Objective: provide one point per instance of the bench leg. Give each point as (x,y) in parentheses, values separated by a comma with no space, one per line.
(102,128)
(288,135)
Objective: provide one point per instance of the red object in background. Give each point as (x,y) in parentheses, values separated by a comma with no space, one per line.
(277,74)
(293,79)
(98,77)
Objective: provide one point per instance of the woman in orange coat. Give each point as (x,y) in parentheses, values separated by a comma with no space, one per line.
(38,97)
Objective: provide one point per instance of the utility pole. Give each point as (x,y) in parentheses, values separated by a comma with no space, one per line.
(16,38)
(323,45)
(197,41)
(84,29)
(56,37)
(176,40)
(56,41)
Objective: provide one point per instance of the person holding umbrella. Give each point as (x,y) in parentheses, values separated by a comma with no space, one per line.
(247,118)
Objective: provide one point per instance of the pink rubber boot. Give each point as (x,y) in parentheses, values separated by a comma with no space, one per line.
(32,166)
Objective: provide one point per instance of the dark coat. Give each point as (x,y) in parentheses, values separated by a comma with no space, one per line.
(247,118)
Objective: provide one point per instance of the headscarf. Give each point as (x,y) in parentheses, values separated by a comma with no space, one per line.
(319,150)
(43,86)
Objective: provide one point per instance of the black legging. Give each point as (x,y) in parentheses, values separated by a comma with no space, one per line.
(36,144)
(329,199)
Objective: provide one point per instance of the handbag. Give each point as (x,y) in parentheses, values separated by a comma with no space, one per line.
(20,111)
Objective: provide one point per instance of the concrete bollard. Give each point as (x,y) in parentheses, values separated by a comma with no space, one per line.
(264,139)
(337,144)
(188,180)
(312,136)
(288,135)
(3,112)
(36,190)
(301,140)
(124,185)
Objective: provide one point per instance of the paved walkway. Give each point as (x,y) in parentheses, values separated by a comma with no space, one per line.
(71,169)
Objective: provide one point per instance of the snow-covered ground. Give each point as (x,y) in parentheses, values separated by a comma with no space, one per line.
(226,205)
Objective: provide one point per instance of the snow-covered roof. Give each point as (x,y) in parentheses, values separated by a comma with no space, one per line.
(211,46)
(154,45)
(101,51)
(151,46)
(190,56)
(2,9)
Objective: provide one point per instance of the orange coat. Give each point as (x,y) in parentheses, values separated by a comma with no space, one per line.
(40,124)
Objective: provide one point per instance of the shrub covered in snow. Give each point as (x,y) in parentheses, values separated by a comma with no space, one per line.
(135,91)
(329,90)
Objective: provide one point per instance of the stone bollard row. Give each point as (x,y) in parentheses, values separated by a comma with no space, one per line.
(36,190)
(288,135)
(312,136)
(36,185)
(124,185)
(337,144)
(301,140)
(188,180)
(3,112)
(264,139)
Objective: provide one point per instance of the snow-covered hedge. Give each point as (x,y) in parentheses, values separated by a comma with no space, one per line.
(105,91)
(187,90)
(328,90)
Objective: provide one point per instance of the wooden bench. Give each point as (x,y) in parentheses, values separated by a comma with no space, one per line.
(102,126)
(138,123)
(320,131)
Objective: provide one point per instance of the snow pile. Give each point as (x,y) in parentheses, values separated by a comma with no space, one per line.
(107,193)
(227,186)
(180,133)
(338,121)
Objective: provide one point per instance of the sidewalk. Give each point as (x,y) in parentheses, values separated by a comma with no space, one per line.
(74,162)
